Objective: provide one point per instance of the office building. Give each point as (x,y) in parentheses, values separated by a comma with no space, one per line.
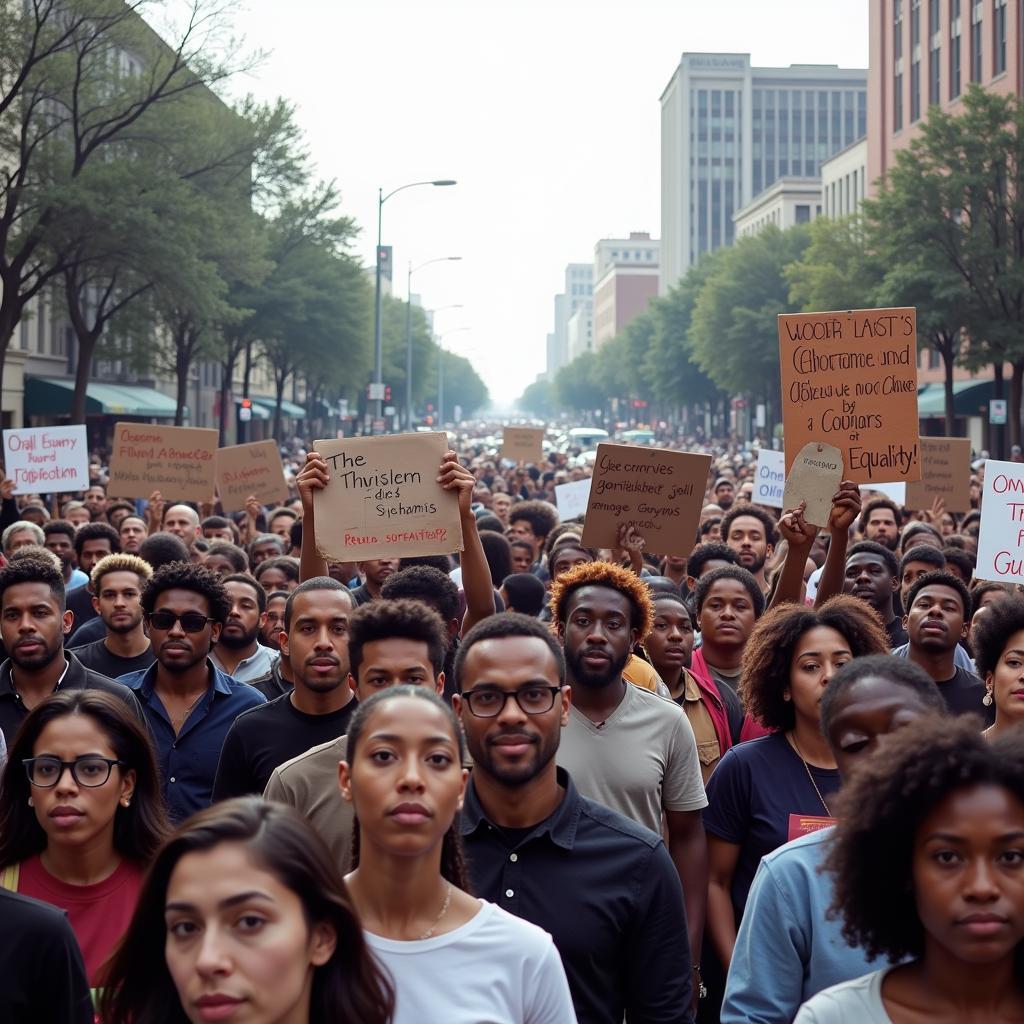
(625,280)
(844,180)
(786,202)
(576,295)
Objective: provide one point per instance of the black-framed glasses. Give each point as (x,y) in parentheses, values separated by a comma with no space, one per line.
(191,622)
(89,771)
(489,702)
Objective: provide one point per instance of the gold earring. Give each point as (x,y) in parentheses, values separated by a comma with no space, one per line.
(987,699)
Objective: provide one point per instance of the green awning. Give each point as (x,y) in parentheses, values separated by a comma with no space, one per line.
(970,398)
(287,408)
(51,396)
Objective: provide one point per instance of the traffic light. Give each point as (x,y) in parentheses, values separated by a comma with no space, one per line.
(387,392)
(246,403)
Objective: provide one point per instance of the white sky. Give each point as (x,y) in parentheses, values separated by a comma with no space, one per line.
(545,111)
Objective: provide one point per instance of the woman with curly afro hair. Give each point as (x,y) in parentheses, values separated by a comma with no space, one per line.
(762,792)
(928,860)
(998,639)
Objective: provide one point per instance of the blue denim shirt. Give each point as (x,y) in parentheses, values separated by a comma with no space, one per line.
(188,760)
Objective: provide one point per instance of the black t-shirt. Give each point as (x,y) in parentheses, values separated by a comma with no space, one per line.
(79,602)
(268,735)
(963,694)
(897,634)
(99,659)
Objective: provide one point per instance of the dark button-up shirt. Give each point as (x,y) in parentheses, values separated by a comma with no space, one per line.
(606,890)
(188,760)
(77,677)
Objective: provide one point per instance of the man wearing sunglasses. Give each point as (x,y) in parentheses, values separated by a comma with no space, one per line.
(603,886)
(188,701)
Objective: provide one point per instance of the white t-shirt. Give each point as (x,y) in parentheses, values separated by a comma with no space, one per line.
(494,969)
(858,1000)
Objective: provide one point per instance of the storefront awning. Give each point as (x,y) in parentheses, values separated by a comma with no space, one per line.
(287,408)
(51,396)
(970,398)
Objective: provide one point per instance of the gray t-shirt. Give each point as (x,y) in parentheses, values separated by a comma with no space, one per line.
(859,1000)
(640,761)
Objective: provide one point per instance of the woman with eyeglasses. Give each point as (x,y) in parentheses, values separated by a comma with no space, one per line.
(81,815)
(452,959)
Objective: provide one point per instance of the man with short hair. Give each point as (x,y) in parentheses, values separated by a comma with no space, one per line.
(239,653)
(183,522)
(938,606)
(270,632)
(280,573)
(217,528)
(132,531)
(603,886)
(872,574)
(880,521)
(724,493)
(728,602)
(532,521)
(625,746)
(77,514)
(189,703)
(93,542)
(21,534)
(33,622)
(264,546)
(280,522)
(116,512)
(116,587)
(59,537)
(389,643)
(95,500)
(706,557)
(752,534)
(374,572)
(918,561)
(315,711)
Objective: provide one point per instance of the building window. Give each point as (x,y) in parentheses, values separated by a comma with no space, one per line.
(999,38)
(976,20)
(915,91)
(803,213)
(897,101)
(954,49)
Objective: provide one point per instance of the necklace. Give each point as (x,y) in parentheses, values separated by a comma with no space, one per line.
(444,910)
(796,746)
(177,723)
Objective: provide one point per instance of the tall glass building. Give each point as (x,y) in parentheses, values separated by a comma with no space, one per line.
(729,130)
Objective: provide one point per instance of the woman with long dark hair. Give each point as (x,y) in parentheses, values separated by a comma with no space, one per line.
(244,916)
(453,959)
(81,814)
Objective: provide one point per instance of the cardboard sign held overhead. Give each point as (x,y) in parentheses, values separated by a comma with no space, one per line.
(522,444)
(850,379)
(657,491)
(1001,538)
(47,459)
(180,462)
(945,474)
(244,469)
(572,499)
(815,477)
(384,499)
(769,478)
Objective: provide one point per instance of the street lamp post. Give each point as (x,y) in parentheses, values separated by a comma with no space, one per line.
(408,331)
(378,354)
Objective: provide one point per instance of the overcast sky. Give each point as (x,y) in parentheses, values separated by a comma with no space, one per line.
(546,113)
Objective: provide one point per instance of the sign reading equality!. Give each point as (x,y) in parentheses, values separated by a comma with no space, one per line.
(177,461)
(47,459)
(849,379)
(1001,537)
(254,468)
(383,499)
(657,491)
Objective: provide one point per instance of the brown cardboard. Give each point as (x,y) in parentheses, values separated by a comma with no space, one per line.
(849,378)
(522,444)
(179,462)
(384,499)
(244,469)
(945,474)
(815,477)
(657,491)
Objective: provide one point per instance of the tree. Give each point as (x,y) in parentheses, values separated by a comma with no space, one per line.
(576,385)
(538,399)
(463,387)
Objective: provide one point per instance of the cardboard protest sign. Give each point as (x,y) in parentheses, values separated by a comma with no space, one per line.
(47,459)
(180,462)
(850,379)
(945,474)
(384,499)
(572,499)
(522,444)
(815,477)
(769,478)
(244,469)
(657,491)
(1001,538)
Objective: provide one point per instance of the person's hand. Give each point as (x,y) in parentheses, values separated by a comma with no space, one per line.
(205,509)
(253,508)
(629,539)
(312,477)
(6,487)
(795,530)
(452,476)
(155,511)
(845,508)
(936,512)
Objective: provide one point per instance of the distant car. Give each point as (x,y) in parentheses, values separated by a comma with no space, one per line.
(644,437)
(587,437)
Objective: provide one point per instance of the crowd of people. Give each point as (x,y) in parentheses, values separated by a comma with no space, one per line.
(774,777)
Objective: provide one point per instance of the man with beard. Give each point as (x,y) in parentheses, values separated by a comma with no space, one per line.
(33,623)
(317,710)
(604,887)
(880,522)
(752,534)
(239,653)
(117,581)
(624,746)
(188,702)
(872,574)
(723,493)
(132,531)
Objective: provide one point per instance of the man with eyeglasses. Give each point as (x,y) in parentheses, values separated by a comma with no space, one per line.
(602,885)
(33,624)
(188,702)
